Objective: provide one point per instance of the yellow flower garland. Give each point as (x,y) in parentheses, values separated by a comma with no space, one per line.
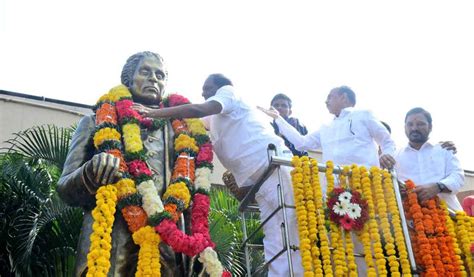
(381,207)
(322,232)
(132,138)
(370,231)
(125,187)
(349,246)
(179,191)
(299,177)
(195,126)
(185,141)
(450,226)
(99,254)
(105,134)
(311,214)
(336,238)
(463,229)
(149,254)
(397,228)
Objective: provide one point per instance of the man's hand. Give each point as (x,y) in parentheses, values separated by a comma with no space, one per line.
(272,112)
(387,161)
(103,169)
(142,110)
(426,192)
(449,145)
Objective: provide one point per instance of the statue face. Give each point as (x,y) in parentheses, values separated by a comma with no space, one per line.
(148,81)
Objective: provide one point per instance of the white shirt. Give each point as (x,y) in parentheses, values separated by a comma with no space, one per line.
(429,165)
(350,138)
(240,139)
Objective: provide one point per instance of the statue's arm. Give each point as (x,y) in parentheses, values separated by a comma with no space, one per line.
(74,186)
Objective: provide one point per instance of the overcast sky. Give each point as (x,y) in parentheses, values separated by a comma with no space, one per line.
(395,55)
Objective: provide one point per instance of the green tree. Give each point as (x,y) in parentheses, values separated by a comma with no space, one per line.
(38,231)
(226,232)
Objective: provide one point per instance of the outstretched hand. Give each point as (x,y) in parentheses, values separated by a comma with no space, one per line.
(272,112)
(142,110)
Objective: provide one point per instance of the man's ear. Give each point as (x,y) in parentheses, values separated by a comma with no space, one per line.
(289,112)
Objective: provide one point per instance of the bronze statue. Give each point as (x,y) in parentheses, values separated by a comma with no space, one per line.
(85,171)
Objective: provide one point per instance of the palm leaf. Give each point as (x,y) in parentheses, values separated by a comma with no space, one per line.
(22,235)
(223,233)
(48,143)
(44,239)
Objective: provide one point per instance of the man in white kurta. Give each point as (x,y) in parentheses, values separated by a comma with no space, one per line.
(434,170)
(240,141)
(351,138)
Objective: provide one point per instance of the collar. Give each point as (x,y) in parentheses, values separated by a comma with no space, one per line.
(344,112)
(425,145)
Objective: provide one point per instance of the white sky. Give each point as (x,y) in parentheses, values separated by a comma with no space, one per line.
(395,55)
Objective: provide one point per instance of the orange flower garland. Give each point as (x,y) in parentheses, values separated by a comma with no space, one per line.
(435,248)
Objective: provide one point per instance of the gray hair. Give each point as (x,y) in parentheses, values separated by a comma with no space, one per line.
(131,65)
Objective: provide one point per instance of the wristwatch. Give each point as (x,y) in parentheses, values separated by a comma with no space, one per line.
(441,186)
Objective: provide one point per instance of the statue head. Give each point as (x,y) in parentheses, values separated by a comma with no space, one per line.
(145,75)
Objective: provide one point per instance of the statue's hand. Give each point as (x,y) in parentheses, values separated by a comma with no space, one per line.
(272,112)
(103,169)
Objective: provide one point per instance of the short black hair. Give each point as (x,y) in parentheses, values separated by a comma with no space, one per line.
(220,80)
(348,92)
(283,97)
(422,111)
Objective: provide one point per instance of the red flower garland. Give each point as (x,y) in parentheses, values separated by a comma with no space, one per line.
(138,167)
(205,153)
(199,216)
(200,240)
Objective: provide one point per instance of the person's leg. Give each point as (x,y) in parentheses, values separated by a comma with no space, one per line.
(267,199)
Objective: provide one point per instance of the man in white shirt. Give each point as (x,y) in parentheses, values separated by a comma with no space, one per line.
(434,170)
(240,141)
(350,138)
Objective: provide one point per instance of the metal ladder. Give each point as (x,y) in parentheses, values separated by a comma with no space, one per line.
(247,205)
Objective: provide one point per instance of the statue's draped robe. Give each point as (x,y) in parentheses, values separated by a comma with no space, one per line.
(71,188)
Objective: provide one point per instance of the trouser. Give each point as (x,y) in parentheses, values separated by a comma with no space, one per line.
(267,199)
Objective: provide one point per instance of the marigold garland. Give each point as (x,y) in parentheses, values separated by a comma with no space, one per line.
(300,176)
(456,251)
(370,236)
(463,229)
(101,242)
(381,207)
(149,254)
(322,232)
(113,109)
(397,228)
(435,248)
